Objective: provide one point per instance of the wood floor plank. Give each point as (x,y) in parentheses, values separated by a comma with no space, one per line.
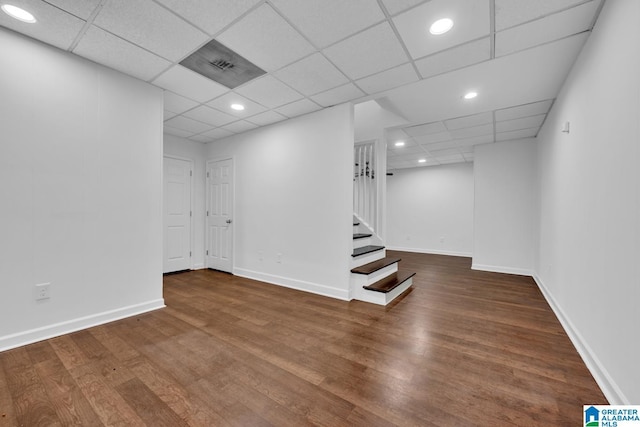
(462,348)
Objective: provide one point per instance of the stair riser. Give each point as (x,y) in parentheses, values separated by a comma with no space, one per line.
(368,279)
(367,258)
(358,243)
(380,298)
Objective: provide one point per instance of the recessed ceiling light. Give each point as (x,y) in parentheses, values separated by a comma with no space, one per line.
(17,13)
(441,26)
(400,144)
(470,95)
(237,107)
(422,161)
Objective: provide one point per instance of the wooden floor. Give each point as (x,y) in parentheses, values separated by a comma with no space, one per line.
(461,348)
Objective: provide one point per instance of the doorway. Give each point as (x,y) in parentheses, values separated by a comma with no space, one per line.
(177,214)
(219,235)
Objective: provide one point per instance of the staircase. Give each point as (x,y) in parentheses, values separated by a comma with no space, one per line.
(375,278)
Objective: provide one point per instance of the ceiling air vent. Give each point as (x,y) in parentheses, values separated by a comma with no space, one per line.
(220,64)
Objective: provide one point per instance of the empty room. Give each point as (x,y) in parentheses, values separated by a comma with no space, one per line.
(319,212)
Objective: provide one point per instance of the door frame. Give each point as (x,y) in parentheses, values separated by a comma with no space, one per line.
(233,204)
(191,204)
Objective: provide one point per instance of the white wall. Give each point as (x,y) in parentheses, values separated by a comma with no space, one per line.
(505,206)
(195,151)
(430,209)
(293,195)
(589,254)
(81,192)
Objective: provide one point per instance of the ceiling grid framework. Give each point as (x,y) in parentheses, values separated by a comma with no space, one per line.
(318,53)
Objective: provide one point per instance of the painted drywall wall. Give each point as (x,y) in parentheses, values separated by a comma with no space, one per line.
(293,196)
(81,192)
(588,259)
(430,209)
(195,151)
(504,211)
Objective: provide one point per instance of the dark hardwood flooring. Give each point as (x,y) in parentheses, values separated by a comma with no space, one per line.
(461,348)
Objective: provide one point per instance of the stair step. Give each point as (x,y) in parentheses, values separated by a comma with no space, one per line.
(374,266)
(390,282)
(361,235)
(365,250)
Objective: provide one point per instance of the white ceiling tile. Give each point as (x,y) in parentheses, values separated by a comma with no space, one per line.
(425,129)
(326,21)
(413,158)
(266,39)
(201,138)
(469,121)
(445,152)
(473,131)
(440,145)
(396,6)
(216,134)
(522,123)
(151,26)
(389,79)
(455,58)
(269,92)
(176,103)
(239,126)
(187,124)
(168,114)
(298,108)
(396,134)
(408,142)
(447,160)
(513,12)
(190,84)
(177,132)
(82,9)
(210,16)
(311,75)
(476,140)
(105,48)
(210,116)
(266,118)
(517,134)
(404,151)
(433,138)
(338,95)
(532,109)
(553,27)
(369,52)
(54,26)
(471,21)
(224,103)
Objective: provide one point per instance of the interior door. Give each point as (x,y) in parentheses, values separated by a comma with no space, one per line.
(177,214)
(219,251)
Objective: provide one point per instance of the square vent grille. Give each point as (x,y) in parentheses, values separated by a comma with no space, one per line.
(220,64)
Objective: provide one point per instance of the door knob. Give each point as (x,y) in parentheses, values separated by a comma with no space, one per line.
(228,221)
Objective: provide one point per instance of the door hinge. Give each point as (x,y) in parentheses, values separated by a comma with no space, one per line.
(190,254)
(207,251)
(190,213)
(190,173)
(207,213)
(207,174)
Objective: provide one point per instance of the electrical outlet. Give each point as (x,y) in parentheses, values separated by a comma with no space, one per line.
(442,240)
(43,291)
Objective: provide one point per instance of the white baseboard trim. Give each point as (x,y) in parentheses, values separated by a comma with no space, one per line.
(609,388)
(50,331)
(198,267)
(501,269)
(429,251)
(299,285)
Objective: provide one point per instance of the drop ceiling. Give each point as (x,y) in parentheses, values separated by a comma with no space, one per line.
(318,53)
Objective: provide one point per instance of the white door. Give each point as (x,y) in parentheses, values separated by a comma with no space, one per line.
(177,215)
(219,251)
